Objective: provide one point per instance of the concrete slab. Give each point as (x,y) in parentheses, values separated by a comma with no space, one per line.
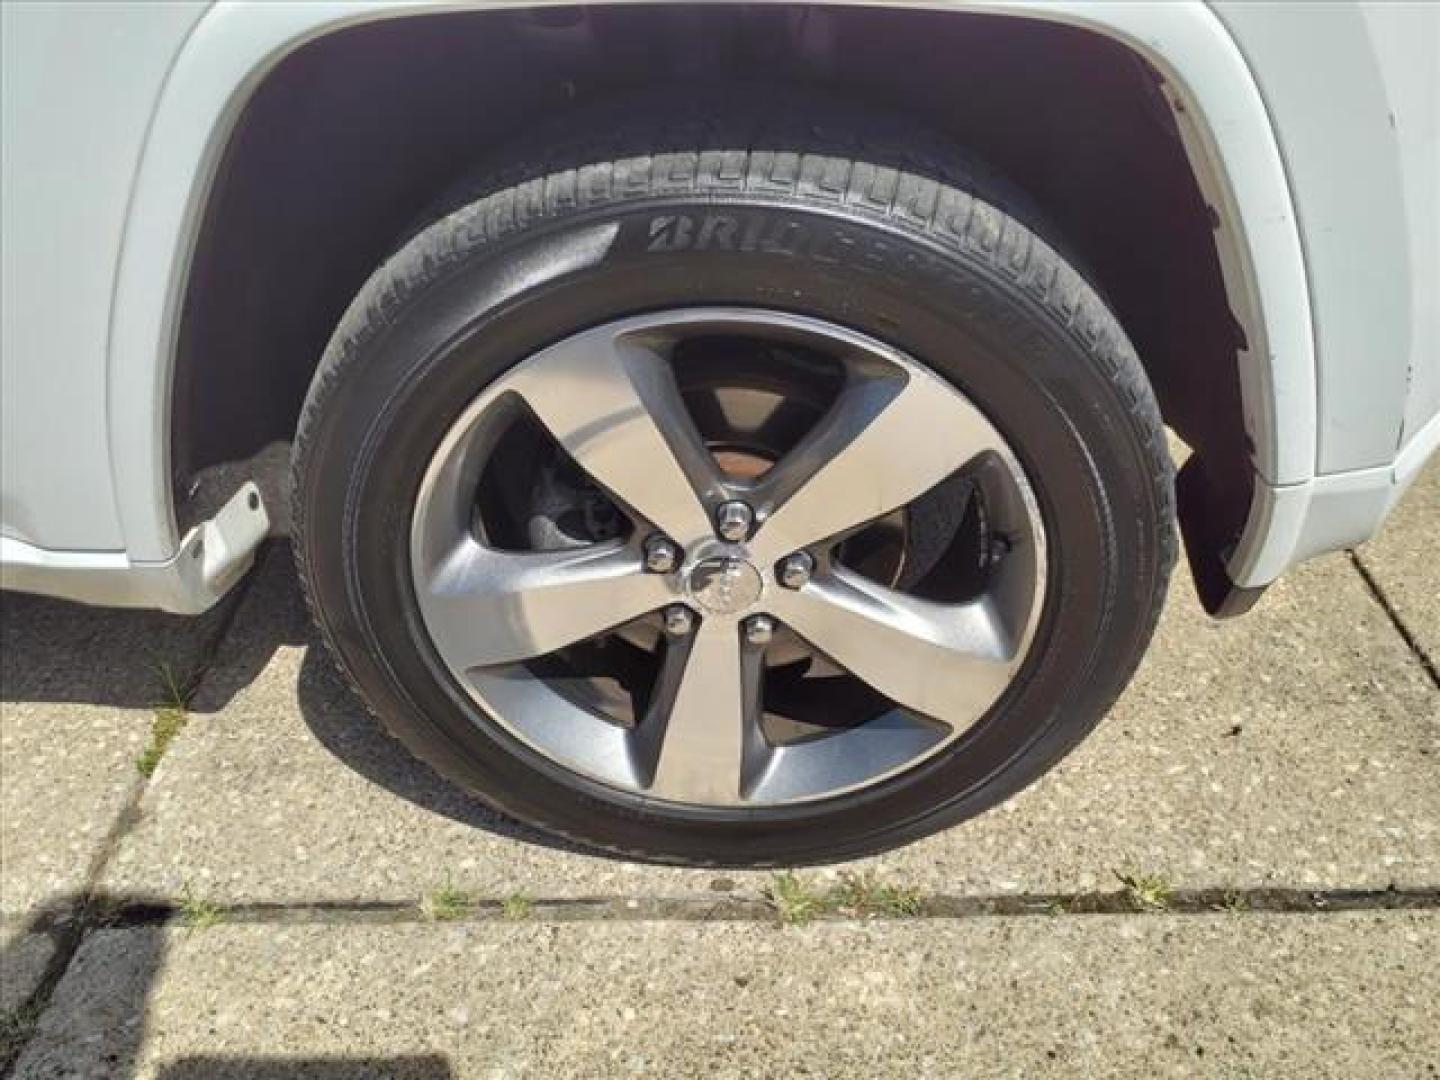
(69,771)
(1295,747)
(1225,995)
(1403,560)
(76,689)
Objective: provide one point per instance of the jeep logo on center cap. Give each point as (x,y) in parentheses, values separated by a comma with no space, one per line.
(724,586)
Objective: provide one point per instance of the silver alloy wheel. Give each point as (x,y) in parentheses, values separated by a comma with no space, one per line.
(609,398)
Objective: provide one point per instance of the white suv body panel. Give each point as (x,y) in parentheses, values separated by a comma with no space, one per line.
(80,85)
(116,115)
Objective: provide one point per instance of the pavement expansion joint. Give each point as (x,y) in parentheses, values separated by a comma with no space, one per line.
(124,914)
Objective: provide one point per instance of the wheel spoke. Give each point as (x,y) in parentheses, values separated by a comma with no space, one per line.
(889,439)
(839,760)
(491,607)
(704,731)
(614,406)
(946,661)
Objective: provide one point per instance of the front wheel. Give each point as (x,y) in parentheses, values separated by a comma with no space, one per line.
(727,505)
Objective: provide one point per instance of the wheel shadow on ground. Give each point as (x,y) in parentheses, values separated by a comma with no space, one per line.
(345,727)
(275,617)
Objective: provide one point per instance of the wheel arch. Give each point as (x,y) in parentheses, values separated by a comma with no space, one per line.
(235,51)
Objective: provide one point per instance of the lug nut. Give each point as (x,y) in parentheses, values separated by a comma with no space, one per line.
(759,629)
(795,570)
(661,555)
(679,620)
(733,520)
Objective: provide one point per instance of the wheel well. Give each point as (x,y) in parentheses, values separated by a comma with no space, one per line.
(352,136)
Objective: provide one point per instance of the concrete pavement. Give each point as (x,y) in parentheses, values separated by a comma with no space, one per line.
(1224,995)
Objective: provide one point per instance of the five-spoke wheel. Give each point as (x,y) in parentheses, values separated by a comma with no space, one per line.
(727,561)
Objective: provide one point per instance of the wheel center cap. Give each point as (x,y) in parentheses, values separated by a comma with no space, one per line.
(724,586)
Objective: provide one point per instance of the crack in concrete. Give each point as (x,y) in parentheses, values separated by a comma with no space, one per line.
(1183,902)
(1396,620)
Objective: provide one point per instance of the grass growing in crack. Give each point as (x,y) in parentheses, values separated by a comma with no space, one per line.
(516,907)
(794,902)
(163,729)
(177,693)
(865,894)
(1146,892)
(197,912)
(171,715)
(1234,902)
(445,903)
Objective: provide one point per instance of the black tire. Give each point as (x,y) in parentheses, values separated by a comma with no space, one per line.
(850,218)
